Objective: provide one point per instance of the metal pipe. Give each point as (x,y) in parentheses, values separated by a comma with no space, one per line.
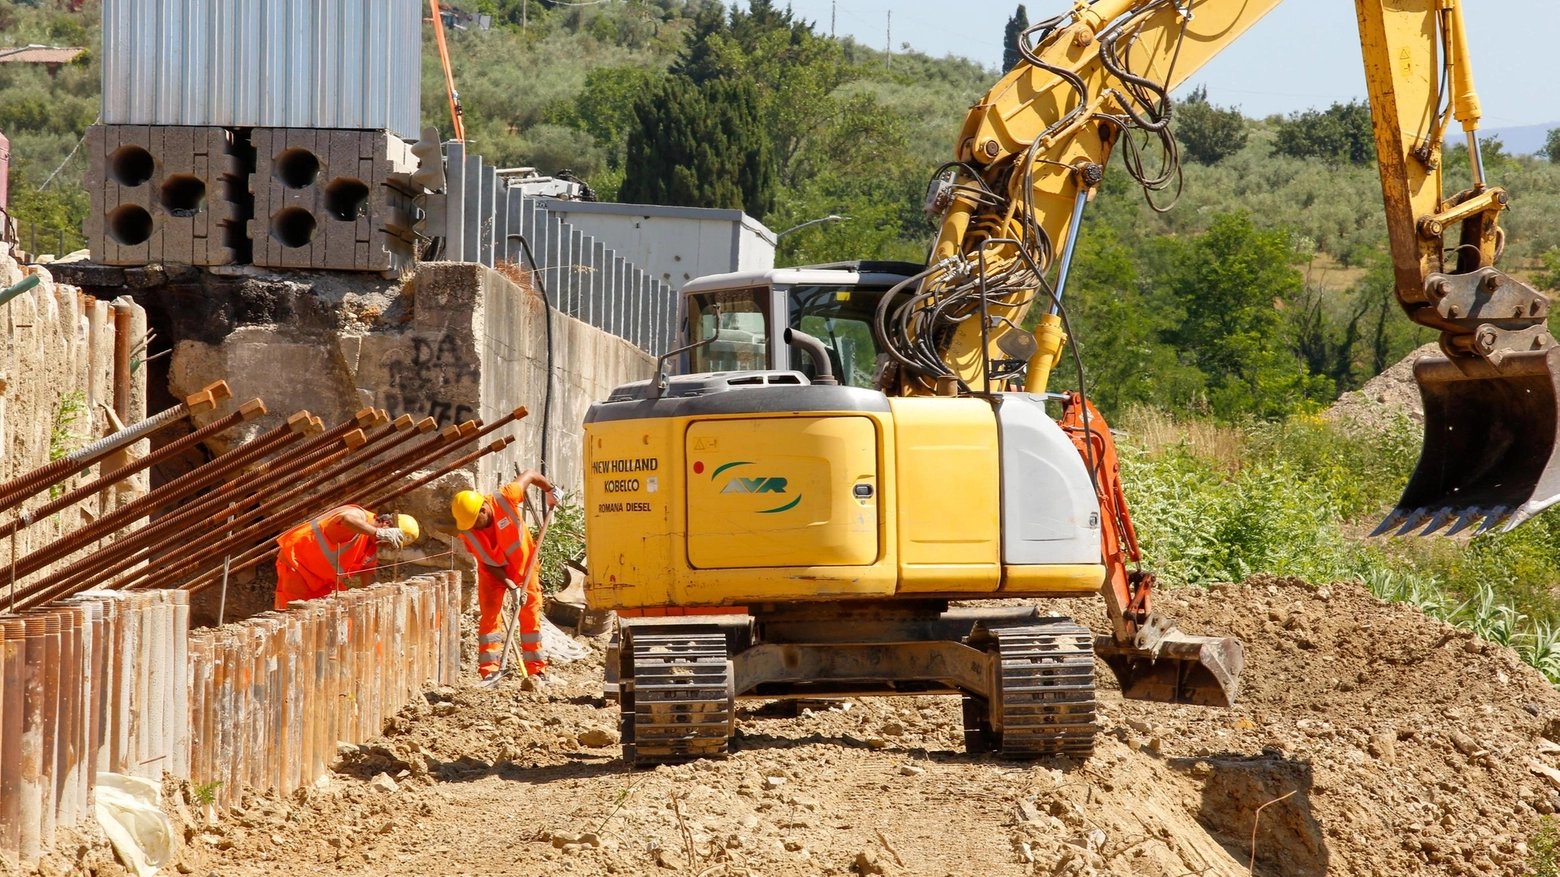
(13,663)
(18,489)
(249,411)
(48,754)
(173,491)
(124,320)
(1075,231)
(30,799)
(16,289)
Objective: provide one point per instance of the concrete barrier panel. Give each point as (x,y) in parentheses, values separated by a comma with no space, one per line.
(163,194)
(332,200)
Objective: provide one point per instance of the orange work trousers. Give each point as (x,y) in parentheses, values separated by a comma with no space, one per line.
(490,625)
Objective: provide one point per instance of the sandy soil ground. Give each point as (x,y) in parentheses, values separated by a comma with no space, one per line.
(1369,740)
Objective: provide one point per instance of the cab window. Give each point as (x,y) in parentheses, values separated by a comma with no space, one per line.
(841,317)
(743,344)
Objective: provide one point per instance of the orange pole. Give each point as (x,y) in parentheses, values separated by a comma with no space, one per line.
(449,76)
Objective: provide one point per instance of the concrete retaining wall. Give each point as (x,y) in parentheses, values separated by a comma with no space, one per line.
(452,341)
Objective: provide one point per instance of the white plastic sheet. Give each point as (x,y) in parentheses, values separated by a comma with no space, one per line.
(130,811)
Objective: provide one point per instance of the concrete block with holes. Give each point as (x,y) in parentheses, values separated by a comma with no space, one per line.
(331,199)
(164,194)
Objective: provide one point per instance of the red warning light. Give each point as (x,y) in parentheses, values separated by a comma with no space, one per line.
(698,468)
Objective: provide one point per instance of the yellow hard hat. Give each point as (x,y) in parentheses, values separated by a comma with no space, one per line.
(408,525)
(467,505)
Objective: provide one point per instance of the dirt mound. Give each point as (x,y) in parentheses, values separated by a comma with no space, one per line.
(1385,397)
(1372,739)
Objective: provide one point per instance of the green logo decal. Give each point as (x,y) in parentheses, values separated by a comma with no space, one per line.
(755,485)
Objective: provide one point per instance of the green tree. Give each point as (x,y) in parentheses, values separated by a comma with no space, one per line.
(694,146)
(1340,133)
(859,165)
(1230,284)
(1119,324)
(1551,148)
(1210,134)
(1016,25)
(794,69)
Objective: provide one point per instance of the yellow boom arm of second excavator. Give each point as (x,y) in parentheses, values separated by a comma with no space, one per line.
(1098,78)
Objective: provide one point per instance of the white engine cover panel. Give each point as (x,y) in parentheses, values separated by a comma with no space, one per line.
(1049,511)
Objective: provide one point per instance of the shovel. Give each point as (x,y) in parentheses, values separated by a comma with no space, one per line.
(513,624)
(1489,452)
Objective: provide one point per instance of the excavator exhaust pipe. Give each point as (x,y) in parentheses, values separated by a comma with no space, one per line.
(1178,668)
(1490,449)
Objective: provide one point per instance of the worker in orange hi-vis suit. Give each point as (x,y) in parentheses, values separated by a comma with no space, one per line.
(318,557)
(494,531)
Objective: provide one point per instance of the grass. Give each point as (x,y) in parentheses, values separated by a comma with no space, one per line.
(1219,503)
(1544,849)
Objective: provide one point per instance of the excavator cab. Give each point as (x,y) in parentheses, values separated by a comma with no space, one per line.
(835,303)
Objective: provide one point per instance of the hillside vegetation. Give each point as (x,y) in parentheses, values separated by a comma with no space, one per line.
(1213,332)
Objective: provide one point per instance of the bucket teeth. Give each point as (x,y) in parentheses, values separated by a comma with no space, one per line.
(1467,519)
(1415,520)
(1390,521)
(1439,520)
(1497,516)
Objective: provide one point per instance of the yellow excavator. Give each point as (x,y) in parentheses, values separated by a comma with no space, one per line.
(854,448)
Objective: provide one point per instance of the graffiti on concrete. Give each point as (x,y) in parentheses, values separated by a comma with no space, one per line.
(431,376)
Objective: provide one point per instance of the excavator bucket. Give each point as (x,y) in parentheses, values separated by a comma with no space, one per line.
(1180,668)
(1490,454)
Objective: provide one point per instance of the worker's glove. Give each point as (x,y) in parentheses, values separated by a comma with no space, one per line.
(391,536)
(552,497)
(520,594)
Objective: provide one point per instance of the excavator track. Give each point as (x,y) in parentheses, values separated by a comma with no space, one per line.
(1045,693)
(677,696)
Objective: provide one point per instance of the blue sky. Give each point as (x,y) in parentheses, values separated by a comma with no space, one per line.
(1303,54)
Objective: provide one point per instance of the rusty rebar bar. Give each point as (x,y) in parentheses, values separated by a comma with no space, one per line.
(248,411)
(448,440)
(17,490)
(296,428)
(468,459)
(309,507)
(144,543)
(465,439)
(209,542)
(261,553)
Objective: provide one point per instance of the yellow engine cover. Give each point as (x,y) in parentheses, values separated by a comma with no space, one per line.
(791,494)
(768,492)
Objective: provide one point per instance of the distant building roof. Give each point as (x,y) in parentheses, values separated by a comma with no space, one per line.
(39,54)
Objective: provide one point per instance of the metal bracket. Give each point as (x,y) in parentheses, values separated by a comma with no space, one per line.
(1487,295)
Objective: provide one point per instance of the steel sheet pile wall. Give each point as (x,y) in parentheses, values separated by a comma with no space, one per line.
(584,278)
(270,698)
(95,683)
(115,681)
(353,64)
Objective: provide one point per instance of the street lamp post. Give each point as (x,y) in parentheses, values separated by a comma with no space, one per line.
(820,220)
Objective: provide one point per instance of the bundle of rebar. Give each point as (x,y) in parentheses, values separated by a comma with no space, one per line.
(224,517)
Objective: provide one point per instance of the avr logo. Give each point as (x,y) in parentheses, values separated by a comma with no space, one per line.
(763,484)
(754,485)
